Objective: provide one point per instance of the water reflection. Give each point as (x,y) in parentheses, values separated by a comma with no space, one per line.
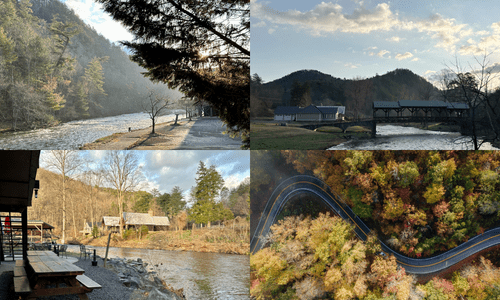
(201,275)
(74,134)
(391,137)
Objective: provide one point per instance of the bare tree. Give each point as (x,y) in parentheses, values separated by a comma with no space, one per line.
(66,162)
(358,92)
(473,88)
(154,106)
(124,174)
(92,178)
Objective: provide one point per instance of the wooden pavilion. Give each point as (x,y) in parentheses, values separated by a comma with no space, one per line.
(17,183)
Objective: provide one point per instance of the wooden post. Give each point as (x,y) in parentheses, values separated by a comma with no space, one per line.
(107,249)
(24,229)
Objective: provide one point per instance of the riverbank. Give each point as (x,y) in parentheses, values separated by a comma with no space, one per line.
(215,240)
(201,133)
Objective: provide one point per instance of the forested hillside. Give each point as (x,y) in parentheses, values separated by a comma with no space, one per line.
(56,68)
(88,202)
(313,87)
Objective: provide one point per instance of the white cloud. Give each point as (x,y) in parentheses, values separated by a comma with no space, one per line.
(415,59)
(396,39)
(383,52)
(271,30)
(329,18)
(406,55)
(352,66)
(260,24)
(485,45)
(429,72)
(496,27)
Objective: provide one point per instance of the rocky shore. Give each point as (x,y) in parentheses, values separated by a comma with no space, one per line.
(137,275)
(122,279)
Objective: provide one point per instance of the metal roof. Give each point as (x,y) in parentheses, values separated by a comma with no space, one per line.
(311,109)
(111,221)
(455,105)
(422,103)
(144,219)
(328,109)
(385,104)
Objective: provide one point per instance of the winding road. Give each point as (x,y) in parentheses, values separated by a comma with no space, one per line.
(308,184)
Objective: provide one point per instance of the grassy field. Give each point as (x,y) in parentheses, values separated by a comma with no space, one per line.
(271,136)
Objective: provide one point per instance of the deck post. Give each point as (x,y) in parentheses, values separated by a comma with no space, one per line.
(24,229)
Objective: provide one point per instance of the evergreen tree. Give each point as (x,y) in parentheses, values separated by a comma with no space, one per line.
(199,47)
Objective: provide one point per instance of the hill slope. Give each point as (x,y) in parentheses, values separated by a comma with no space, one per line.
(357,95)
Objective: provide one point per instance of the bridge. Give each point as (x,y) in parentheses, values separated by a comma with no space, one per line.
(404,111)
(295,185)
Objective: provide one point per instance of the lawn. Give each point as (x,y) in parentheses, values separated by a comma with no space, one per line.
(272,136)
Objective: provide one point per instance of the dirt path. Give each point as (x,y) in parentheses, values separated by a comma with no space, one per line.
(200,133)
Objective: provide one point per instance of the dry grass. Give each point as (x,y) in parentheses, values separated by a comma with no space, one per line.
(219,240)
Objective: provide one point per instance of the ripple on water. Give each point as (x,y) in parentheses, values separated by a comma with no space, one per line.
(74,134)
(391,137)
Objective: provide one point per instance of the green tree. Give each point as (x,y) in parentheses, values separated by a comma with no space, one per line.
(206,209)
(199,47)
(93,82)
(143,201)
(300,94)
(172,203)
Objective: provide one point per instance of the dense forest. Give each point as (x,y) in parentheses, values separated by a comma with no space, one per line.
(421,203)
(322,259)
(87,201)
(56,68)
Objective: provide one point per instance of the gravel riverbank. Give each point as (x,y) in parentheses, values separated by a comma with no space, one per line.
(125,279)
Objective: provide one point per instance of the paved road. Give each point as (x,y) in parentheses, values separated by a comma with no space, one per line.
(308,184)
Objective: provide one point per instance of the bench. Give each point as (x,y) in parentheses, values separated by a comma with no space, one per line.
(87,282)
(21,282)
(20,263)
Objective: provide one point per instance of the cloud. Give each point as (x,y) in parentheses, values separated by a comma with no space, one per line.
(485,45)
(406,55)
(415,59)
(271,30)
(260,24)
(429,72)
(352,66)
(396,39)
(383,52)
(496,27)
(328,18)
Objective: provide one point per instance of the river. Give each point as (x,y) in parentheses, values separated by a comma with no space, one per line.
(391,137)
(74,134)
(201,275)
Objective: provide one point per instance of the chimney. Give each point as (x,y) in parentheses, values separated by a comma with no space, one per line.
(151,213)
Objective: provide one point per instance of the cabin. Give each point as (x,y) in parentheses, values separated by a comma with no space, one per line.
(110,224)
(17,186)
(89,226)
(137,220)
(310,113)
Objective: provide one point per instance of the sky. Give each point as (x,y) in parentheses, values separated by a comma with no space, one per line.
(93,15)
(356,38)
(165,169)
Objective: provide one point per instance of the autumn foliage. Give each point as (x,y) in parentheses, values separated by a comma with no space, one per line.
(420,202)
(322,259)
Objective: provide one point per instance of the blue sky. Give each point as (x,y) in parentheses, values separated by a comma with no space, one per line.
(165,169)
(350,38)
(92,14)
